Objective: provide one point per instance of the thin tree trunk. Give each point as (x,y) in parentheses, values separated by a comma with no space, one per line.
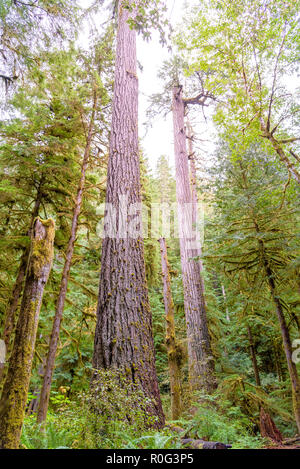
(53,344)
(12,307)
(16,386)
(123,337)
(287,343)
(253,357)
(278,363)
(174,356)
(201,361)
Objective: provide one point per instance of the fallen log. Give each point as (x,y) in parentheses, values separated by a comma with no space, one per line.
(201,444)
(291,441)
(190,443)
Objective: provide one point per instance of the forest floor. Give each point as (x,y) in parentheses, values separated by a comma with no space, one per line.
(282,447)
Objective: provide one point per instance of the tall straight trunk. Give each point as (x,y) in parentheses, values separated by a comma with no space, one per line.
(123,338)
(201,361)
(174,357)
(225,303)
(12,307)
(53,344)
(195,201)
(253,357)
(16,386)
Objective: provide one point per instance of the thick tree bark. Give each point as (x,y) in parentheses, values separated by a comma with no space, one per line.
(53,344)
(10,318)
(201,361)
(174,354)
(253,357)
(16,386)
(268,428)
(123,337)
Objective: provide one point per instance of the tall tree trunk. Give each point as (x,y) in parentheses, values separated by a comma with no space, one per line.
(53,344)
(174,355)
(12,307)
(195,200)
(201,361)
(253,357)
(123,337)
(16,386)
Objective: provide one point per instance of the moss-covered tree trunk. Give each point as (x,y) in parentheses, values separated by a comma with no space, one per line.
(123,338)
(10,317)
(53,344)
(201,361)
(16,385)
(174,355)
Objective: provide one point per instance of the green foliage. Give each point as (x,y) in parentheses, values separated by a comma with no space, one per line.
(218,420)
(53,437)
(245,53)
(26,28)
(114,415)
(241,54)
(150,15)
(116,400)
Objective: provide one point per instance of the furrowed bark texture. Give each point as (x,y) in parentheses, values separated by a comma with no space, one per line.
(50,362)
(123,337)
(16,386)
(174,354)
(201,361)
(193,175)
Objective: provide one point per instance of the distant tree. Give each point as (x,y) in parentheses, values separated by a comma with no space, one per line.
(201,360)
(245,53)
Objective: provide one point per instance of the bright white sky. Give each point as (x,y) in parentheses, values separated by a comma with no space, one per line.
(159,138)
